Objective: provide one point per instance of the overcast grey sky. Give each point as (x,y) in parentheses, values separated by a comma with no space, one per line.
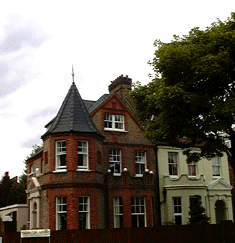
(40,40)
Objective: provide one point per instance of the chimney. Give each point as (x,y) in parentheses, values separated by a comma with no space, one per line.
(119,84)
(7,174)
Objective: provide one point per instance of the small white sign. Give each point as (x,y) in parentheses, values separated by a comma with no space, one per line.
(0,239)
(35,233)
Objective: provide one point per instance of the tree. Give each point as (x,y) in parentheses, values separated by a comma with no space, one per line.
(197,212)
(12,192)
(21,188)
(8,191)
(191,99)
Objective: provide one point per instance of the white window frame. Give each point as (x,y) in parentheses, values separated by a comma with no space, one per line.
(173,160)
(84,153)
(190,171)
(118,212)
(115,160)
(60,152)
(140,162)
(216,165)
(138,209)
(61,209)
(114,122)
(177,208)
(84,208)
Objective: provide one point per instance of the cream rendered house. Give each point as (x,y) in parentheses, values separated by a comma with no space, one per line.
(181,184)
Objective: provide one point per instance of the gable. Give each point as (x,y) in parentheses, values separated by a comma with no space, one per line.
(133,132)
(219,184)
(113,104)
(33,184)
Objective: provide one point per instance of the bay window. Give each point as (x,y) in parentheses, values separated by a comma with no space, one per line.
(84,213)
(83,155)
(60,155)
(61,213)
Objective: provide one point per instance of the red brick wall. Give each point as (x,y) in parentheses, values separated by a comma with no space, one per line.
(73,183)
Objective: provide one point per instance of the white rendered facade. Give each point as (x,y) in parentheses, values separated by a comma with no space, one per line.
(180,182)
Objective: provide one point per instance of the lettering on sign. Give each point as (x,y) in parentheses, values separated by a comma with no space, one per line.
(35,233)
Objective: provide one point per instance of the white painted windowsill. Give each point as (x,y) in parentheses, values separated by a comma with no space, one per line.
(59,171)
(85,170)
(114,130)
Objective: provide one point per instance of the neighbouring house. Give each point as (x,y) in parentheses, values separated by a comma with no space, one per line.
(96,169)
(181,184)
(14,217)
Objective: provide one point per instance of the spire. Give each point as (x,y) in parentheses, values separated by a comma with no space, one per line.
(73,75)
(73,116)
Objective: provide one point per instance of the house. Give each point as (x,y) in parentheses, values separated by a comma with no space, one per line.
(181,184)
(15,216)
(96,169)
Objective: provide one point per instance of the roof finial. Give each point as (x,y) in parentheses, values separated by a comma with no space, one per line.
(73,75)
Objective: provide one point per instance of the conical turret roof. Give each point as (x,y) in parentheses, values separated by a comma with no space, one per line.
(72,116)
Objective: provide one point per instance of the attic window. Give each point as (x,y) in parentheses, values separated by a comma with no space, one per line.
(113,122)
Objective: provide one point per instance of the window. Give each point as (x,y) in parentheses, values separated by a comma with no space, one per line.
(31,168)
(173,164)
(140,162)
(84,213)
(60,155)
(138,216)
(61,213)
(216,166)
(115,161)
(177,209)
(46,157)
(113,122)
(83,155)
(194,201)
(192,169)
(118,214)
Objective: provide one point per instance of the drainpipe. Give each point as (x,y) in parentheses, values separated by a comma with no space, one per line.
(157,188)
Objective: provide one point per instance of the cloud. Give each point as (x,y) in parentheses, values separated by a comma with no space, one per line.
(33,118)
(20,33)
(30,142)
(20,40)
(8,115)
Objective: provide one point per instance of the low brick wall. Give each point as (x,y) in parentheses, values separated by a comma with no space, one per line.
(220,233)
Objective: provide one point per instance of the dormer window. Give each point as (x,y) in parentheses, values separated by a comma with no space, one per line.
(60,155)
(113,122)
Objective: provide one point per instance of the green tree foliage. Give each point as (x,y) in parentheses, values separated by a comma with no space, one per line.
(8,191)
(21,188)
(193,92)
(197,213)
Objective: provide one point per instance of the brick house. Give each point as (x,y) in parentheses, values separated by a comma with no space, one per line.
(96,169)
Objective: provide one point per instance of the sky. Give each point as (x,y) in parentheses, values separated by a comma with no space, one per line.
(41,40)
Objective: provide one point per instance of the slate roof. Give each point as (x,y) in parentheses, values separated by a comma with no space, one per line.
(96,104)
(73,116)
(88,103)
